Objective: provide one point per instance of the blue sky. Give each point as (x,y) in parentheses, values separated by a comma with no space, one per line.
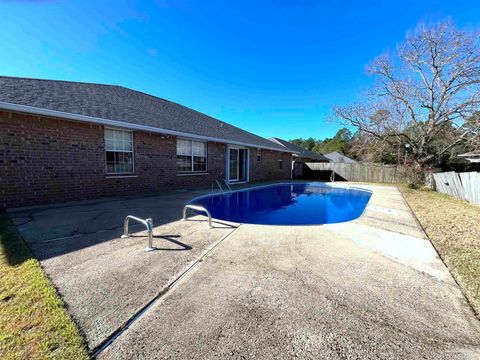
(275,68)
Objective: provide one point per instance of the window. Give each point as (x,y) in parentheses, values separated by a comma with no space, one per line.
(191,156)
(119,151)
(259,155)
(280,164)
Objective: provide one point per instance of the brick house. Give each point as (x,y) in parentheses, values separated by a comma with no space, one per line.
(63,141)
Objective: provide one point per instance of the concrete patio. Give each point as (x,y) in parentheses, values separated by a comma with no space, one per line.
(371,288)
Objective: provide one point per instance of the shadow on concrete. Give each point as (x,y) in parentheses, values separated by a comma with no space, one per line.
(58,230)
(56,247)
(215,222)
(182,246)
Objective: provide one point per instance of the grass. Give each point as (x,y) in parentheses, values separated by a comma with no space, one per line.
(33,320)
(453,227)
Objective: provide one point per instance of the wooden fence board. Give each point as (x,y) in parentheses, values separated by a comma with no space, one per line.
(464,186)
(391,174)
(471,186)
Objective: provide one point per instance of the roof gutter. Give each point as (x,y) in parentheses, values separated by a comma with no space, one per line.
(121,124)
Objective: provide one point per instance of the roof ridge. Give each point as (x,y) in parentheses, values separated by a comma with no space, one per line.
(59,80)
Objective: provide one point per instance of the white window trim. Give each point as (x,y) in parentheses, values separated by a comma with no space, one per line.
(192,172)
(118,174)
(196,173)
(261,155)
(126,176)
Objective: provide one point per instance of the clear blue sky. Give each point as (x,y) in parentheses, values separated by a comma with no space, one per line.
(272,67)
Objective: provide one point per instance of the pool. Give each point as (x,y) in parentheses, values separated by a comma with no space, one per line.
(288,204)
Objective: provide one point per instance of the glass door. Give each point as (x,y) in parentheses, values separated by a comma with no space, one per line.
(234,157)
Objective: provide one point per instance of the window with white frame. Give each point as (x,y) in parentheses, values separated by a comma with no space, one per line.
(191,156)
(259,155)
(119,151)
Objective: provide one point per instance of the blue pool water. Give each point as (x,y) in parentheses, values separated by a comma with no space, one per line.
(288,204)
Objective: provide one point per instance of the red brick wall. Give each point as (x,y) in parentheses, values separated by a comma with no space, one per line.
(268,168)
(45,160)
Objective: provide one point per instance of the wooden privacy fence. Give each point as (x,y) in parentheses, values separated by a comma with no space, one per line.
(368,172)
(464,186)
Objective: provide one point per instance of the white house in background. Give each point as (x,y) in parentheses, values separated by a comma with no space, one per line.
(473,157)
(337,157)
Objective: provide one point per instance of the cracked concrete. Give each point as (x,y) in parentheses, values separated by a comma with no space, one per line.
(104,279)
(371,288)
(308,293)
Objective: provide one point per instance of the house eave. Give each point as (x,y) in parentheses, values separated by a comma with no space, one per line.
(122,124)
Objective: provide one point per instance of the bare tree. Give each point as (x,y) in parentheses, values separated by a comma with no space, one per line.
(428,87)
(366,147)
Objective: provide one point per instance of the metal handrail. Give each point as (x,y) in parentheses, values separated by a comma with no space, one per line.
(332,175)
(219,185)
(228,185)
(148,224)
(198,208)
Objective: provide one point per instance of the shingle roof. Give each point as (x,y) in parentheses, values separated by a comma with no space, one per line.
(337,157)
(299,150)
(117,103)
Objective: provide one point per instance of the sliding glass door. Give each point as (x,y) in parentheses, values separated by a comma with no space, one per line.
(237,164)
(234,164)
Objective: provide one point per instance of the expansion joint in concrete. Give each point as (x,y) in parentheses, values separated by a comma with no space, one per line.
(120,330)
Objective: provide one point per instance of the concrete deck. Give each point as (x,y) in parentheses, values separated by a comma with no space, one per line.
(371,288)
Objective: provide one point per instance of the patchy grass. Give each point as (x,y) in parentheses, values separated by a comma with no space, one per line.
(33,321)
(453,227)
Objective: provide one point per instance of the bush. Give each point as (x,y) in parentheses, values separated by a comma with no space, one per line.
(412,185)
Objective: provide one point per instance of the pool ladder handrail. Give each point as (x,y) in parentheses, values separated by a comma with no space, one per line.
(219,184)
(148,224)
(227,184)
(332,175)
(198,208)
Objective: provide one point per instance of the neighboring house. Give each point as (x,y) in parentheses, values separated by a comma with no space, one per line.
(300,154)
(62,141)
(337,157)
(473,157)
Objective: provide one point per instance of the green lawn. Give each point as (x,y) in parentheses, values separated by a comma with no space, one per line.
(33,321)
(453,227)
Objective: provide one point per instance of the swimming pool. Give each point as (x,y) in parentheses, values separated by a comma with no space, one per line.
(287,204)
